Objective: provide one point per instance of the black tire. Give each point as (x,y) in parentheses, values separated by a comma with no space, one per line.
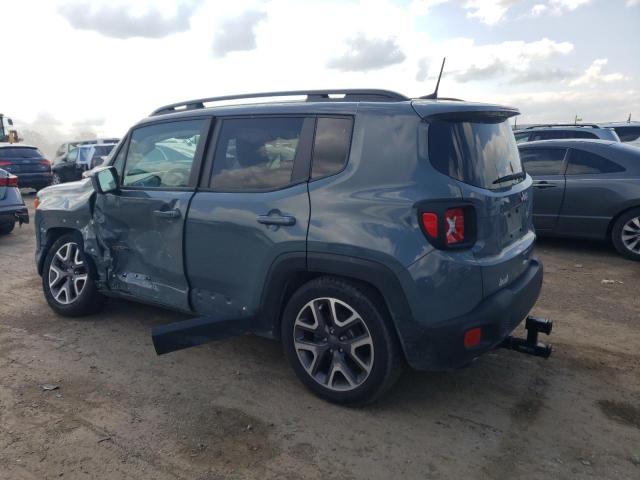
(7,228)
(385,360)
(89,300)
(56,179)
(627,227)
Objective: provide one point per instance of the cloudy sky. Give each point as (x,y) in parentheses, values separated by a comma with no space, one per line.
(100,65)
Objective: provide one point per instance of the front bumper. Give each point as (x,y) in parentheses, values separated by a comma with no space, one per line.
(441,346)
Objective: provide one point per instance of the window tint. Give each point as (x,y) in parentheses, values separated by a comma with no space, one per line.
(543,161)
(256,154)
(331,146)
(628,134)
(161,155)
(478,153)
(581,134)
(581,162)
(72,156)
(118,162)
(18,153)
(522,137)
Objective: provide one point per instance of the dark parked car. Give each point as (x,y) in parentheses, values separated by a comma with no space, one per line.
(586,189)
(27,163)
(12,208)
(562,130)
(80,159)
(629,132)
(362,231)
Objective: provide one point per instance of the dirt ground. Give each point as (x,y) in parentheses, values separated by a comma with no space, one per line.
(234,409)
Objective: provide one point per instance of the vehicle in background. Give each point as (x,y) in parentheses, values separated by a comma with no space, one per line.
(27,163)
(12,208)
(8,133)
(70,167)
(561,131)
(362,231)
(586,189)
(65,148)
(628,132)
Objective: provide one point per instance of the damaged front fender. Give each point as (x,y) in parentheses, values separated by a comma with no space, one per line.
(70,207)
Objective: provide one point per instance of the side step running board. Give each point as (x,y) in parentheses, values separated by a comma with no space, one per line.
(530,345)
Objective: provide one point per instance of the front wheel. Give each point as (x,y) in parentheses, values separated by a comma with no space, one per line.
(338,339)
(625,234)
(68,278)
(56,180)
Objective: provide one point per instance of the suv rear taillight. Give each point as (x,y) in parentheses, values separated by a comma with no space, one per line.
(10,181)
(448,226)
(4,163)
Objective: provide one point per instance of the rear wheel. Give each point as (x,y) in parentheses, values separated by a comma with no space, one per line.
(339,342)
(7,228)
(625,234)
(68,278)
(55,180)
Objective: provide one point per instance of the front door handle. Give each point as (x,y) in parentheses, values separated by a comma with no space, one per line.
(175,213)
(282,220)
(543,184)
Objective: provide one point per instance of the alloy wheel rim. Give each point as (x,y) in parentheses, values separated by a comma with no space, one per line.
(333,344)
(68,274)
(631,235)
(55,180)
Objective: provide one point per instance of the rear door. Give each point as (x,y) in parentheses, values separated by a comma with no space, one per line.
(142,225)
(253,208)
(592,194)
(546,166)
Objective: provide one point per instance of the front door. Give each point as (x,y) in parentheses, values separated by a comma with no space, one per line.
(254,208)
(142,224)
(546,166)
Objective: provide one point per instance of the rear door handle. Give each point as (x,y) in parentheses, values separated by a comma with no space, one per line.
(543,184)
(283,220)
(167,213)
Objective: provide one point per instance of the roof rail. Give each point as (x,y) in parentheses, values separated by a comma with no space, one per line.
(348,95)
(591,125)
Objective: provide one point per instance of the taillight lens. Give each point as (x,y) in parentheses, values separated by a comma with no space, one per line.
(430,224)
(45,162)
(10,181)
(454,223)
(36,202)
(4,163)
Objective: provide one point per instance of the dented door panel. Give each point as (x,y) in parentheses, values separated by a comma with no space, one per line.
(142,232)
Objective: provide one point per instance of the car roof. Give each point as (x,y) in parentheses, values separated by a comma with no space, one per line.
(317,103)
(567,142)
(16,145)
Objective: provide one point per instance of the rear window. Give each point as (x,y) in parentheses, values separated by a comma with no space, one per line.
(628,134)
(587,163)
(477,153)
(17,153)
(331,147)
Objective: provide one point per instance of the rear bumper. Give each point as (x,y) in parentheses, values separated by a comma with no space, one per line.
(34,180)
(441,346)
(13,213)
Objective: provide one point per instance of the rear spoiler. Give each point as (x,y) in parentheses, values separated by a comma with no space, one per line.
(458,112)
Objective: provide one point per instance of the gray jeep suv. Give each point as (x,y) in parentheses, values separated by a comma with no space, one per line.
(362,231)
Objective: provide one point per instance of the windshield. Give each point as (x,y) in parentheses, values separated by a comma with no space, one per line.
(477,153)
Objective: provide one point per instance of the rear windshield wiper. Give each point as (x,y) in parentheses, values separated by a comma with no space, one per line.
(511,176)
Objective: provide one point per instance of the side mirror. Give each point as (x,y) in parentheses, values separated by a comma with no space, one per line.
(105,180)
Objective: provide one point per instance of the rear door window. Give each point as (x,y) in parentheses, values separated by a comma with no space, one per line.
(585,163)
(331,146)
(628,134)
(522,137)
(477,153)
(543,161)
(256,154)
(161,155)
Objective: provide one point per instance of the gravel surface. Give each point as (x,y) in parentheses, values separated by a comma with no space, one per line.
(234,409)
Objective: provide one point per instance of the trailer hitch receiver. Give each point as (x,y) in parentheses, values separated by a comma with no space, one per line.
(530,345)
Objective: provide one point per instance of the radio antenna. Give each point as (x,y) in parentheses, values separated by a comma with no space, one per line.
(434,95)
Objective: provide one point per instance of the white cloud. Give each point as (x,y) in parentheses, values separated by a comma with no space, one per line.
(366,54)
(237,33)
(122,20)
(631,3)
(593,75)
(539,9)
(489,11)
(560,5)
